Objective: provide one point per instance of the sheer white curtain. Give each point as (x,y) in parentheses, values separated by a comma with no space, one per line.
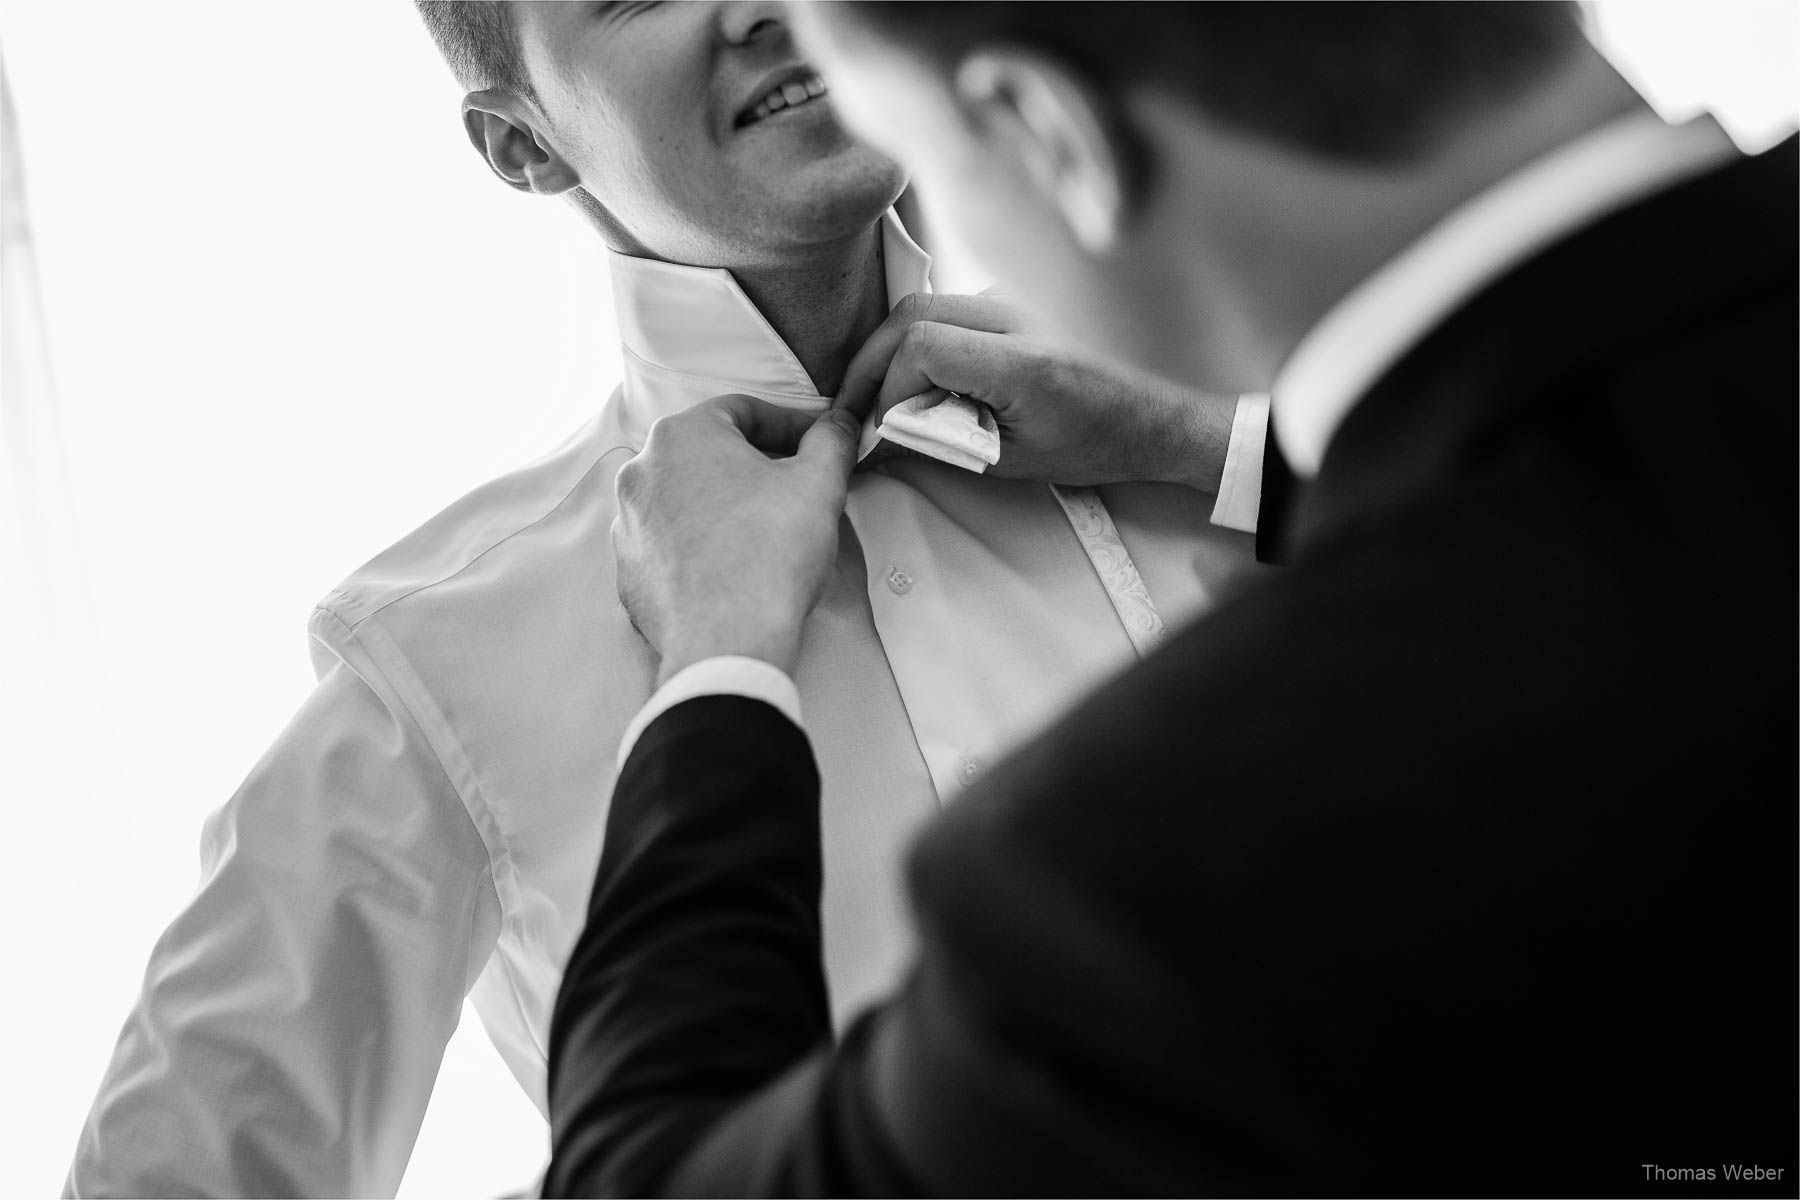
(57,737)
(290,317)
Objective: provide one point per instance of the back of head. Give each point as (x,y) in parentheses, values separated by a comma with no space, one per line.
(1367,81)
(1190,186)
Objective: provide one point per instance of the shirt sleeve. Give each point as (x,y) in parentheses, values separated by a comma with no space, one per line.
(724,675)
(294,1015)
(1240,486)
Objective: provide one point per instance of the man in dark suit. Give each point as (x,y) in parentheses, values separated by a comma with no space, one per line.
(1457,858)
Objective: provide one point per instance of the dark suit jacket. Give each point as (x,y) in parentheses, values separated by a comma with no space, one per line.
(1457,858)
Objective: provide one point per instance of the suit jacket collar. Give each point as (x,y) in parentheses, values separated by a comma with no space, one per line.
(1582,308)
(1574,185)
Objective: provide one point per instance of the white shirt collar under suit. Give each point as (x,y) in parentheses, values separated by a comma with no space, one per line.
(1368,331)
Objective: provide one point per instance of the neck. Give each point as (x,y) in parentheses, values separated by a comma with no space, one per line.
(825,303)
(1290,235)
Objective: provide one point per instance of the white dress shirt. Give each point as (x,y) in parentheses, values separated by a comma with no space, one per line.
(429,824)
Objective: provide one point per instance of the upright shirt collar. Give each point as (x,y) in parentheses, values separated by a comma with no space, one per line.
(1384,316)
(691,332)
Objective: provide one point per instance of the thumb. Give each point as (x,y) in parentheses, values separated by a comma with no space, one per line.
(830,444)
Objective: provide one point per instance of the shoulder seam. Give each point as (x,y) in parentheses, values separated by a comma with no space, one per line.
(412,717)
(350,626)
(465,803)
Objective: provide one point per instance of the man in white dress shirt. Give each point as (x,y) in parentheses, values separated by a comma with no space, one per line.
(428,826)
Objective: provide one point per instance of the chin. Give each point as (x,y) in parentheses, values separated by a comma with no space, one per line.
(835,197)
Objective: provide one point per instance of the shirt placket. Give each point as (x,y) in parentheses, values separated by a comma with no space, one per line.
(986,646)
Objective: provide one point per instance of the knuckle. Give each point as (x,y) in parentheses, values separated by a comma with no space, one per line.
(629,484)
(913,306)
(919,338)
(718,410)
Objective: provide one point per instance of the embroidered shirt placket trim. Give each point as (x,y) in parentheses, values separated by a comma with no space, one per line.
(1112,562)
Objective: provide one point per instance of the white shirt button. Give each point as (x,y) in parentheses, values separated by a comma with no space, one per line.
(899,581)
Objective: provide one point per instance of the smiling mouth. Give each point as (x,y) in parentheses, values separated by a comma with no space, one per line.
(780,99)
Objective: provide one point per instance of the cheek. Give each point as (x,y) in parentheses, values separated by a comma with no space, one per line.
(662,123)
(643,157)
(591,128)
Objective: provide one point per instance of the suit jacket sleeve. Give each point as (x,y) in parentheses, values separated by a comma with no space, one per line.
(691,1053)
(1027,1054)
(693,1017)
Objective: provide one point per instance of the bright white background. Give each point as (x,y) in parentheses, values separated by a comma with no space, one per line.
(290,316)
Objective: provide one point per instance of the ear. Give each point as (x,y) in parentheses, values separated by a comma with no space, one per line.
(1052,119)
(504,130)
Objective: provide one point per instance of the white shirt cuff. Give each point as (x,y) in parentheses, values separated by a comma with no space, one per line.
(726,675)
(1240,486)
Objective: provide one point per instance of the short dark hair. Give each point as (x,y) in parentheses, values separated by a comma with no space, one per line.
(1369,81)
(479,42)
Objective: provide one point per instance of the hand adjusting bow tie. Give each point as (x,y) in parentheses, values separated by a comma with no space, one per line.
(940,424)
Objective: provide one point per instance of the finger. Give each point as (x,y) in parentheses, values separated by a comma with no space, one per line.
(945,356)
(869,366)
(768,427)
(829,447)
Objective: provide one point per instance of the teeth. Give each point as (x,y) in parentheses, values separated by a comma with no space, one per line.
(786,96)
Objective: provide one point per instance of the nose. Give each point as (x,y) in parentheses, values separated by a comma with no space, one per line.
(742,22)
